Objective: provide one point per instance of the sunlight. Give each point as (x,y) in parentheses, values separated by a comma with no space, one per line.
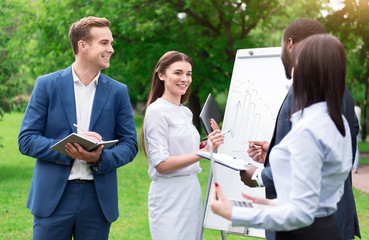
(332,6)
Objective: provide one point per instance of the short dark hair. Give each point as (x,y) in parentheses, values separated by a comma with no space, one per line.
(303,28)
(80,30)
(319,75)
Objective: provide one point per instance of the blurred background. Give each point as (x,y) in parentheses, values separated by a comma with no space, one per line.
(34,41)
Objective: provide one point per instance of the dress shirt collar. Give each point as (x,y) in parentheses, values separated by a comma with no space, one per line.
(309,111)
(95,81)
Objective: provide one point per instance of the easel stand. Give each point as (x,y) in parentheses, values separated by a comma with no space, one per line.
(201,235)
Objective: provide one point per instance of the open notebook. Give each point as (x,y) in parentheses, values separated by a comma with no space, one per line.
(86,143)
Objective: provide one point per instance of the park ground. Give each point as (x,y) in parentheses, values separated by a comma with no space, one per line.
(133,185)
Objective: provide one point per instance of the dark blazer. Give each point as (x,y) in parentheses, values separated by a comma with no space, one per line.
(345,216)
(49,117)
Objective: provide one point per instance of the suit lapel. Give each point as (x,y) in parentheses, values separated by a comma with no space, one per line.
(101,96)
(66,90)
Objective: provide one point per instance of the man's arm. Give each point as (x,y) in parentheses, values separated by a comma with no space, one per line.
(252,176)
(32,140)
(124,130)
(267,177)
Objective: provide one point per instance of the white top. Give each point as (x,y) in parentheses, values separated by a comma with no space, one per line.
(310,166)
(84,97)
(169,131)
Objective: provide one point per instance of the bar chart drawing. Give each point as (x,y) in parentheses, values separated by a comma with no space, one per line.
(257,89)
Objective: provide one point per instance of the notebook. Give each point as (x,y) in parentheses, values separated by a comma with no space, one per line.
(86,143)
(209,110)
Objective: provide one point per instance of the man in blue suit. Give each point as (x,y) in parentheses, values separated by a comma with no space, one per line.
(345,216)
(78,196)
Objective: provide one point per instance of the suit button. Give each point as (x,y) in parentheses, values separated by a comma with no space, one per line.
(69,168)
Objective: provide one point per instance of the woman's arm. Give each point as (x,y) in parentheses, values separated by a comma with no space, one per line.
(173,163)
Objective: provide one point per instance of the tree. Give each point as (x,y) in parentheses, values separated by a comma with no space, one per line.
(8,83)
(350,24)
(210,31)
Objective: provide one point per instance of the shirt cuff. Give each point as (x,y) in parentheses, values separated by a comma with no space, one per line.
(257,177)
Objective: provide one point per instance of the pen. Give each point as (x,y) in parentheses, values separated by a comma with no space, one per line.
(224,132)
(79,127)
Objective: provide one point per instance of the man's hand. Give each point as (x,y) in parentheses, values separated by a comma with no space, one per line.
(257,150)
(76,151)
(94,136)
(247,174)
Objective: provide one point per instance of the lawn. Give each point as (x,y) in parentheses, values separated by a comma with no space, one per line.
(133,183)
(364,147)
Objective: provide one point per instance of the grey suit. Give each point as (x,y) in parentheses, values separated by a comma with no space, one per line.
(345,216)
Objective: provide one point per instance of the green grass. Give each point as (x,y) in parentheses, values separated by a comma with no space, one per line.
(364,147)
(133,183)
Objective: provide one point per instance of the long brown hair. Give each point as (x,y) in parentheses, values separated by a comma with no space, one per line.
(157,86)
(319,75)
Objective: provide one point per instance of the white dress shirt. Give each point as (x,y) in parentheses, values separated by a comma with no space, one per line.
(169,131)
(84,97)
(310,166)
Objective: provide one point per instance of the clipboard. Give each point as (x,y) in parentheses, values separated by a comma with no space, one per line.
(225,160)
(209,110)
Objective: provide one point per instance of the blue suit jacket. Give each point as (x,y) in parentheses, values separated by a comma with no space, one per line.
(346,215)
(49,117)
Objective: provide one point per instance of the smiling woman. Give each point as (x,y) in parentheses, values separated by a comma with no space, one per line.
(171,142)
(177,79)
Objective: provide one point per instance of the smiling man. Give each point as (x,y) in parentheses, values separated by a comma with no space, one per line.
(77,196)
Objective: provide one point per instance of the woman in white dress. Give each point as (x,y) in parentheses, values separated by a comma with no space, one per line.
(171,142)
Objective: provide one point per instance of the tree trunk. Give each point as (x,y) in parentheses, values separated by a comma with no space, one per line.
(196,109)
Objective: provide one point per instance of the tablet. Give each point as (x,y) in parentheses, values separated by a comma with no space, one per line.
(209,110)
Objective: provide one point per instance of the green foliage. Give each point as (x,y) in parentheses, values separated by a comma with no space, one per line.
(144,30)
(350,25)
(8,85)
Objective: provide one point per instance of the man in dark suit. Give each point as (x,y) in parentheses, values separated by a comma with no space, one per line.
(345,216)
(78,196)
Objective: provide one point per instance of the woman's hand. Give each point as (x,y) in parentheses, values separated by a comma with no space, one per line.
(217,138)
(259,200)
(219,203)
(213,124)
